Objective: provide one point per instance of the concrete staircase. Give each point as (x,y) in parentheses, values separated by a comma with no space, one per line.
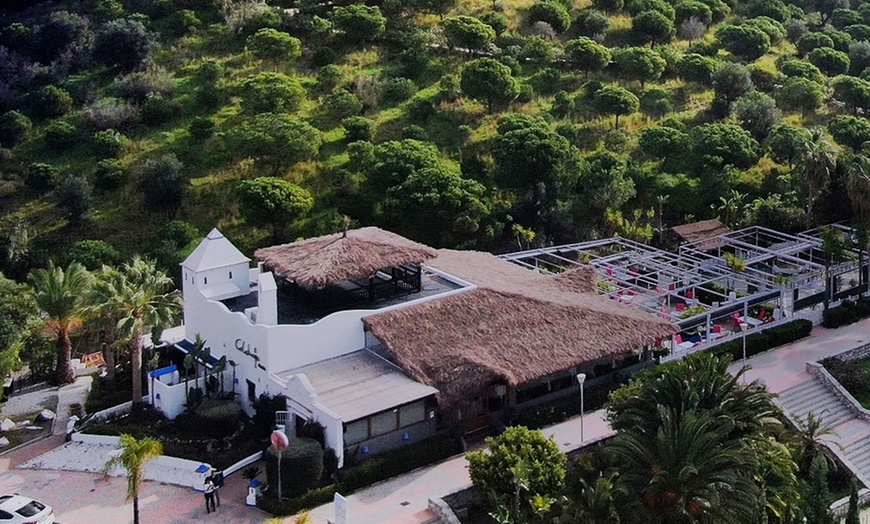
(814,396)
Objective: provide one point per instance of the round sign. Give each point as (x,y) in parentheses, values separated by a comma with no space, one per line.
(279,440)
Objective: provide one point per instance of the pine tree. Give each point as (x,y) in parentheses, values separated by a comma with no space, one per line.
(852,513)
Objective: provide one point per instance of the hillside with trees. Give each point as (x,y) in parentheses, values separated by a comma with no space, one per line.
(134,126)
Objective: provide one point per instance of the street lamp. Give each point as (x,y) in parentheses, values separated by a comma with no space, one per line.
(581,378)
(743,328)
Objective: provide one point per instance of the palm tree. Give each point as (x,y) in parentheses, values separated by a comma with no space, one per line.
(834,247)
(60,295)
(859,196)
(596,502)
(809,441)
(133,454)
(145,304)
(689,470)
(819,161)
(103,314)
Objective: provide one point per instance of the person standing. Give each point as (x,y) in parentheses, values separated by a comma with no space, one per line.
(209,494)
(218,481)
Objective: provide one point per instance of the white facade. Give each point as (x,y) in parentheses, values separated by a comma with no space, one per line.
(259,346)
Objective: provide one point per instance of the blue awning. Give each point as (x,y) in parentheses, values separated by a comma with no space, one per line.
(163,371)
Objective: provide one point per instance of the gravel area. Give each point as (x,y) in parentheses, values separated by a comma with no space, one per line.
(30,400)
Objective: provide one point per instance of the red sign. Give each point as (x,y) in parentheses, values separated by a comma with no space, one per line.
(279,440)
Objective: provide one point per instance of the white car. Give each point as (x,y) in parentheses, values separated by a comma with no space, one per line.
(17,509)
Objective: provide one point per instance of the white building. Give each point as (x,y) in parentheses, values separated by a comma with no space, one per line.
(294,325)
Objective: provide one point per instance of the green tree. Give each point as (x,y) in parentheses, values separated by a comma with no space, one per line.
(591,23)
(850,131)
(360,23)
(145,305)
(50,102)
(271,93)
(746,42)
(772,28)
(829,61)
(717,145)
(818,161)
(73,194)
(468,32)
(653,27)
(14,128)
(275,46)
(757,113)
(786,143)
(273,202)
(489,80)
(614,100)
(437,207)
(524,453)
(103,314)
(279,140)
(162,182)
(693,67)
(662,142)
(826,8)
(852,514)
(639,63)
(59,294)
(688,9)
(731,81)
(802,94)
(812,41)
(817,509)
(801,68)
(596,502)
(124,43)
(587,55)
(550,12)
(392,162)
(133,455)
(17,310)
(608,6)
(852,91)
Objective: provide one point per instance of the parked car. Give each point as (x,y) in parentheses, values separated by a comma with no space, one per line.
(18,509)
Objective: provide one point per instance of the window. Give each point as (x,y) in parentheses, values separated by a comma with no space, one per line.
(252,391)
(5,515)
(356,431)
(185,276)
(30,509)
(412,414)
(205,280)
(383,423)
(231,275)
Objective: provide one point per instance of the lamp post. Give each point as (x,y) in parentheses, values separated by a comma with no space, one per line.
(581,378)
(743,327)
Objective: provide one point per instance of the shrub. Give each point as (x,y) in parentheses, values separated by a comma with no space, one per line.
(765,340)
(158,109)
(73,194)
(14,127)
(552,13)
(375,469)
(135,87)
(342,104)
(61,135)
(201,128)
(397,90)
(50,102)
(112,113)
(183,21)
(109,175)
(40,177)
(179,233)
(213,419)
(108,143)
(301,466)
(124,43)
(593,24)
(93,254)
(312,499)
(787,333)
(161,182)
(357,128)
(847,313)
(271,93)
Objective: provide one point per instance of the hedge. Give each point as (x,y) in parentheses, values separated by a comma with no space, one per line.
(848,312)
(767,339)
(301,466)
(364,474)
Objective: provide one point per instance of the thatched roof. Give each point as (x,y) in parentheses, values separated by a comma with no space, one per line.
(581,279)
(516,327)
(701,230)
(333,258)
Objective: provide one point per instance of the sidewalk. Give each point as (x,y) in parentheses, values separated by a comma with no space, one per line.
(404,499)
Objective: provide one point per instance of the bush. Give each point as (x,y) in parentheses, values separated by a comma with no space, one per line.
(50,102)
(180,233)
(135,87)
(73,195)
(109,175)
(847,313)
(301,466)
(124,43)
(108,143)
(93,254)
(592,24)
(14,127)
(357,128)
(787,333)
(41,177)
(201,128)
(312,499)
(382,467)
(550,12)
(397,90)
(112,113)
(213,419)
(158,109)
(768,339)
(61,135)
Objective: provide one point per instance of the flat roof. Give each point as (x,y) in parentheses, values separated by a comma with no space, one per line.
(360,384)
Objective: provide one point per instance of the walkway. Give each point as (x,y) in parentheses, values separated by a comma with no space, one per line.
(404,500)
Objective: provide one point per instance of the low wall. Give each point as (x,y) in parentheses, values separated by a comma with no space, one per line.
(243,463)
(853,354)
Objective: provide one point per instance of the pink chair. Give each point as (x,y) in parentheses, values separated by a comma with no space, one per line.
(690,294)
(681,307)
(678,339)
(717,328)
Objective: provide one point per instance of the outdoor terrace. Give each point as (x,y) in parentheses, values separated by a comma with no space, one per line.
(303,306)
